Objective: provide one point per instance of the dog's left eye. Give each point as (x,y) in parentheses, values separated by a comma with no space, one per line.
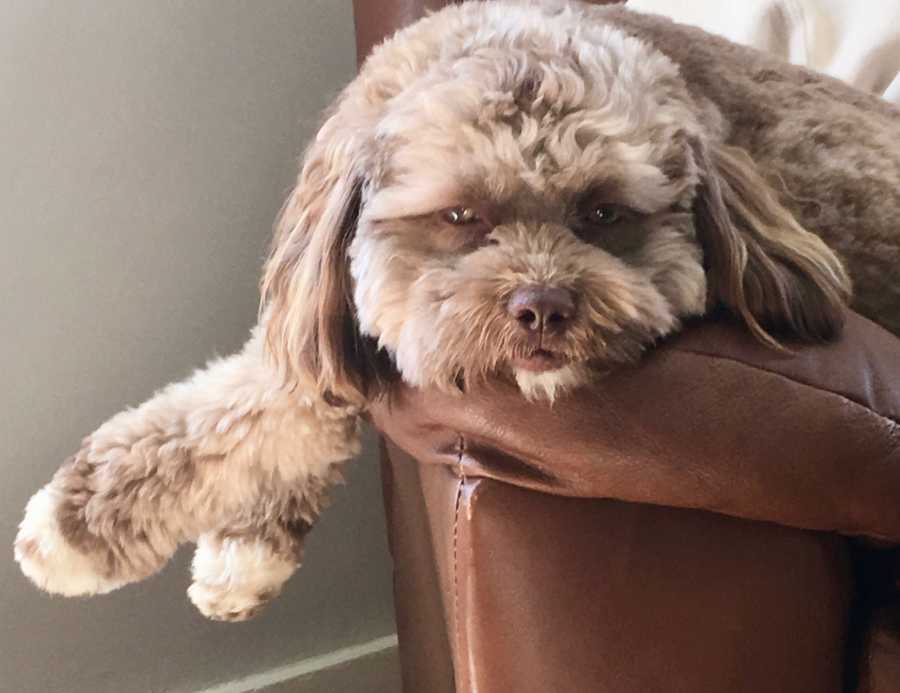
(461,216)
(604,215)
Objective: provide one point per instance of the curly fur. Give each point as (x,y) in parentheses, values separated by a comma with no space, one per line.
(745,179)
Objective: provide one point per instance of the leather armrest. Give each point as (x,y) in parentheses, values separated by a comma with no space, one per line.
(710,420)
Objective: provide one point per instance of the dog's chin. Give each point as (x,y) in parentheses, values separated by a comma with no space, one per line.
(546,378)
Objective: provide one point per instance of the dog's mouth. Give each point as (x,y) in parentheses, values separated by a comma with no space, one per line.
(540,361)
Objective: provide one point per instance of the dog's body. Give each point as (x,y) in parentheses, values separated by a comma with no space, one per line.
(830,151)
(508,190)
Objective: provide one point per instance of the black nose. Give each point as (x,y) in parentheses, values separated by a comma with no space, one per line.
(542,308)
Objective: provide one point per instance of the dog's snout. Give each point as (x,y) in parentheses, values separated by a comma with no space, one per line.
(542,308)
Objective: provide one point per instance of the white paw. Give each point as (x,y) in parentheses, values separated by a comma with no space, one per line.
(235,578)
(225,603)
(48,560)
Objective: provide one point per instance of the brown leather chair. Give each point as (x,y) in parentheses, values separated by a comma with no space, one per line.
(719,519)
(693,525)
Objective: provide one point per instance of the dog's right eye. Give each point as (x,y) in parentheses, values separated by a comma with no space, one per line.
(461,216)
(467,228)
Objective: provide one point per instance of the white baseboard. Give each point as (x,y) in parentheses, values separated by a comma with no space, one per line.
(371,667)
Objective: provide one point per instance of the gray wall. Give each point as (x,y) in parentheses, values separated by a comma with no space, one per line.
(145,148)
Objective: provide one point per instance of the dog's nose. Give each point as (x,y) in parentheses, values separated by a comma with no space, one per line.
(541,308)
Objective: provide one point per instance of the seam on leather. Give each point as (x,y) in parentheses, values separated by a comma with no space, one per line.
(459,491)
(890,419)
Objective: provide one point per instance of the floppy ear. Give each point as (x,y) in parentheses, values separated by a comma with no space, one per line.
(306,295)
(762,265)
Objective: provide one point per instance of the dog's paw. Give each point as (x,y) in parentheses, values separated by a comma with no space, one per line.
(227,603)
(234,578)
(48,560)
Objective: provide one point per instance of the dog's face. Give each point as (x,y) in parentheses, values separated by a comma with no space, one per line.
(523,199)
(528,216)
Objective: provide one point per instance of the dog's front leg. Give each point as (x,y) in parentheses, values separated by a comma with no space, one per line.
(229,457)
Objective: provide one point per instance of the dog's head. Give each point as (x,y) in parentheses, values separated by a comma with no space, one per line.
(509,190)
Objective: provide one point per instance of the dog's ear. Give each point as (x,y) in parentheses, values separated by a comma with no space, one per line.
(761,264)
(306,294)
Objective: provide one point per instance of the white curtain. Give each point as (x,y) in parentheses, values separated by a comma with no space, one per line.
(857,41)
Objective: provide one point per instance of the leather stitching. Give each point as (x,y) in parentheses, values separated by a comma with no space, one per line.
(889,419)
(459,491)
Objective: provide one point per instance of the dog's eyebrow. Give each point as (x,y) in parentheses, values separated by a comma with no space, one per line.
(468,196)
(422,194)
(607,189)
(378,221)
(644,189)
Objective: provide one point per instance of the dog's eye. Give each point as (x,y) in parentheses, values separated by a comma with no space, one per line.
(467,229)
(461,216)
(604,215)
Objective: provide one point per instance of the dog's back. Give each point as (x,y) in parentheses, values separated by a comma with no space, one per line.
(833,151)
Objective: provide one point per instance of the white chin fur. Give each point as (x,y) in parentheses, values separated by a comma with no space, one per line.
(548,384)
(48,560)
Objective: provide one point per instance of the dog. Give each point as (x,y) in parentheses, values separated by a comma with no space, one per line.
(530,191)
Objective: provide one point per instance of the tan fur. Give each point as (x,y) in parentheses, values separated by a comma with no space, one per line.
(764,266)
(530,113)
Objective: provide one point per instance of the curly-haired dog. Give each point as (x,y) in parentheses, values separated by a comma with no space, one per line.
(531,191)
